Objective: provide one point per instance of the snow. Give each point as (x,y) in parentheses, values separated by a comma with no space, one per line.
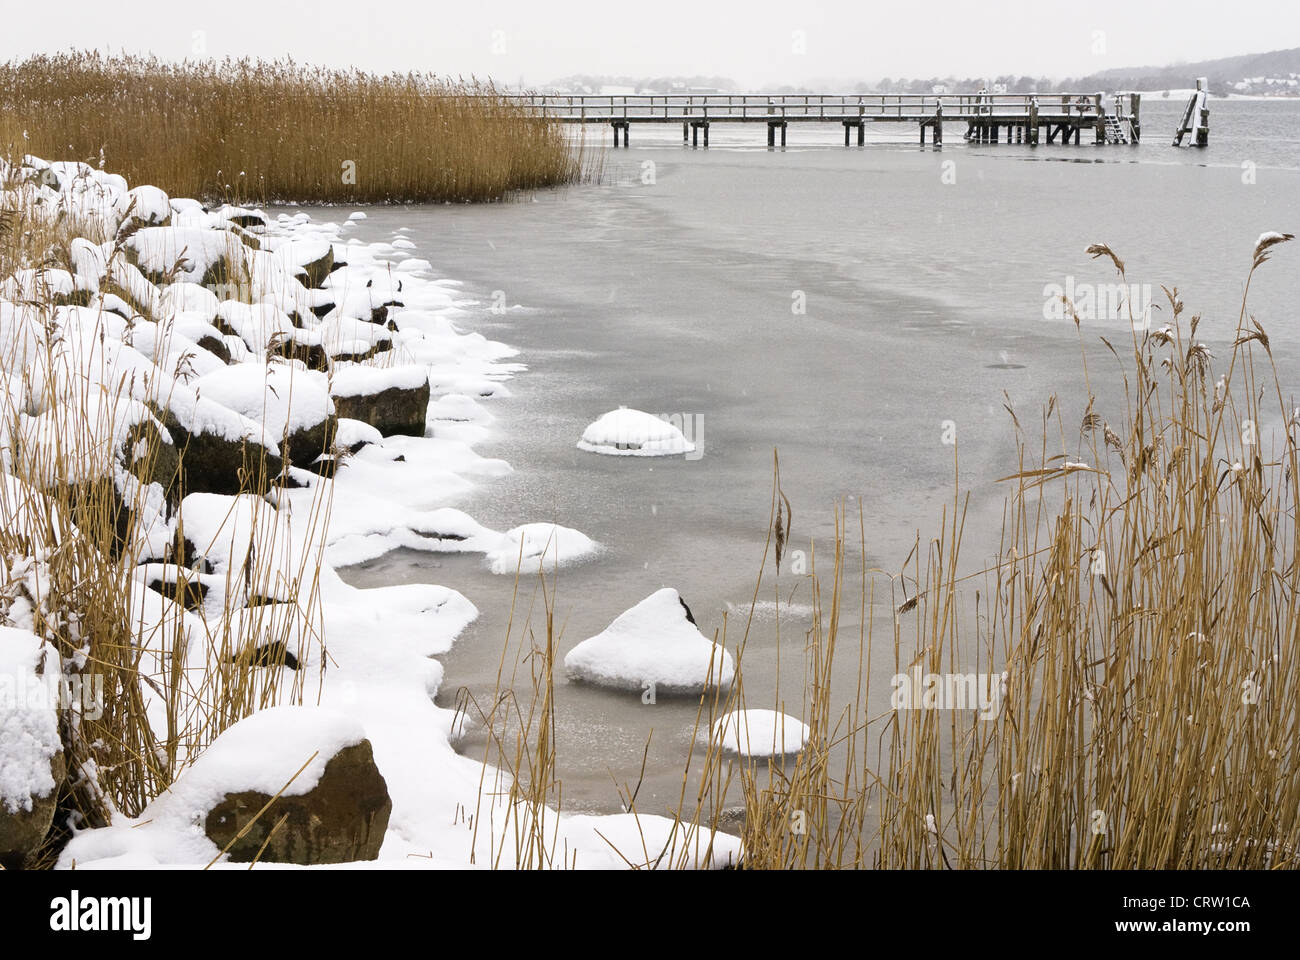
(80,441)
(146,203)
(350,433)
(29,722)
(188,298)
(263,752)
(257,324)
(632,433)
(355,380)
(282,397)
(760,733)
(191,251)
(539,546)
(652,643)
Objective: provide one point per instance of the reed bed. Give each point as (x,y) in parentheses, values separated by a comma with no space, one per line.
(1142,615)
(258,132)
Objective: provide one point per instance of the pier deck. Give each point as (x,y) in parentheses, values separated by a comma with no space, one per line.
(1112,118)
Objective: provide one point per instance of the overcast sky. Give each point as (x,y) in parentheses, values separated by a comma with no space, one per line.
(754,43)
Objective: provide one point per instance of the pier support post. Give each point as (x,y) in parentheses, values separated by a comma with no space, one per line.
(1203,106)
(1033,121)
(772,127)
(1134,106)
(938,124)
(1099,122)
(686,133)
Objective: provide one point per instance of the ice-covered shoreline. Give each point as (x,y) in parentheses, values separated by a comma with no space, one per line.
(281,345)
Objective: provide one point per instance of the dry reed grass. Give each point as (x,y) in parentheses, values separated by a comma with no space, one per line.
(259,132)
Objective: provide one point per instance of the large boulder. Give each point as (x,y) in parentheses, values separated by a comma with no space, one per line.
(393,400)
(341,820)
(334,811)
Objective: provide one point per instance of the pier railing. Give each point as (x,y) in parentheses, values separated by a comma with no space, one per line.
(793,108)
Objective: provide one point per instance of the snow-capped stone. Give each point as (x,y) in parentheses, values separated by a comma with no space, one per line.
(31,754)
(760,733)
(535,546)
(655,642)
(146,204)
(293,405)
(632,433)
(393,400)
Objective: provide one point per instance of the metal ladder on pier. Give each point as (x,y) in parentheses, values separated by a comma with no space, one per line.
(1117,129)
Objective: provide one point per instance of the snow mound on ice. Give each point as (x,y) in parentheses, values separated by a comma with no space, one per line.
(632,433)
(654,642)
(544,545)
(760,733)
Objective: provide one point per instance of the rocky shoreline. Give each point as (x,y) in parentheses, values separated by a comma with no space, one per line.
(269,399)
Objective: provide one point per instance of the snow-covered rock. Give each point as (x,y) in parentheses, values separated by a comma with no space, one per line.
(31,753)
(655,642)
(632,433)
(319,762)
(292,404)
(760,733)
(149,205)
(393,400)
(539,546)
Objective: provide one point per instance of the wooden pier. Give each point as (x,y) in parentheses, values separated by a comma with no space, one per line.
(989,118)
